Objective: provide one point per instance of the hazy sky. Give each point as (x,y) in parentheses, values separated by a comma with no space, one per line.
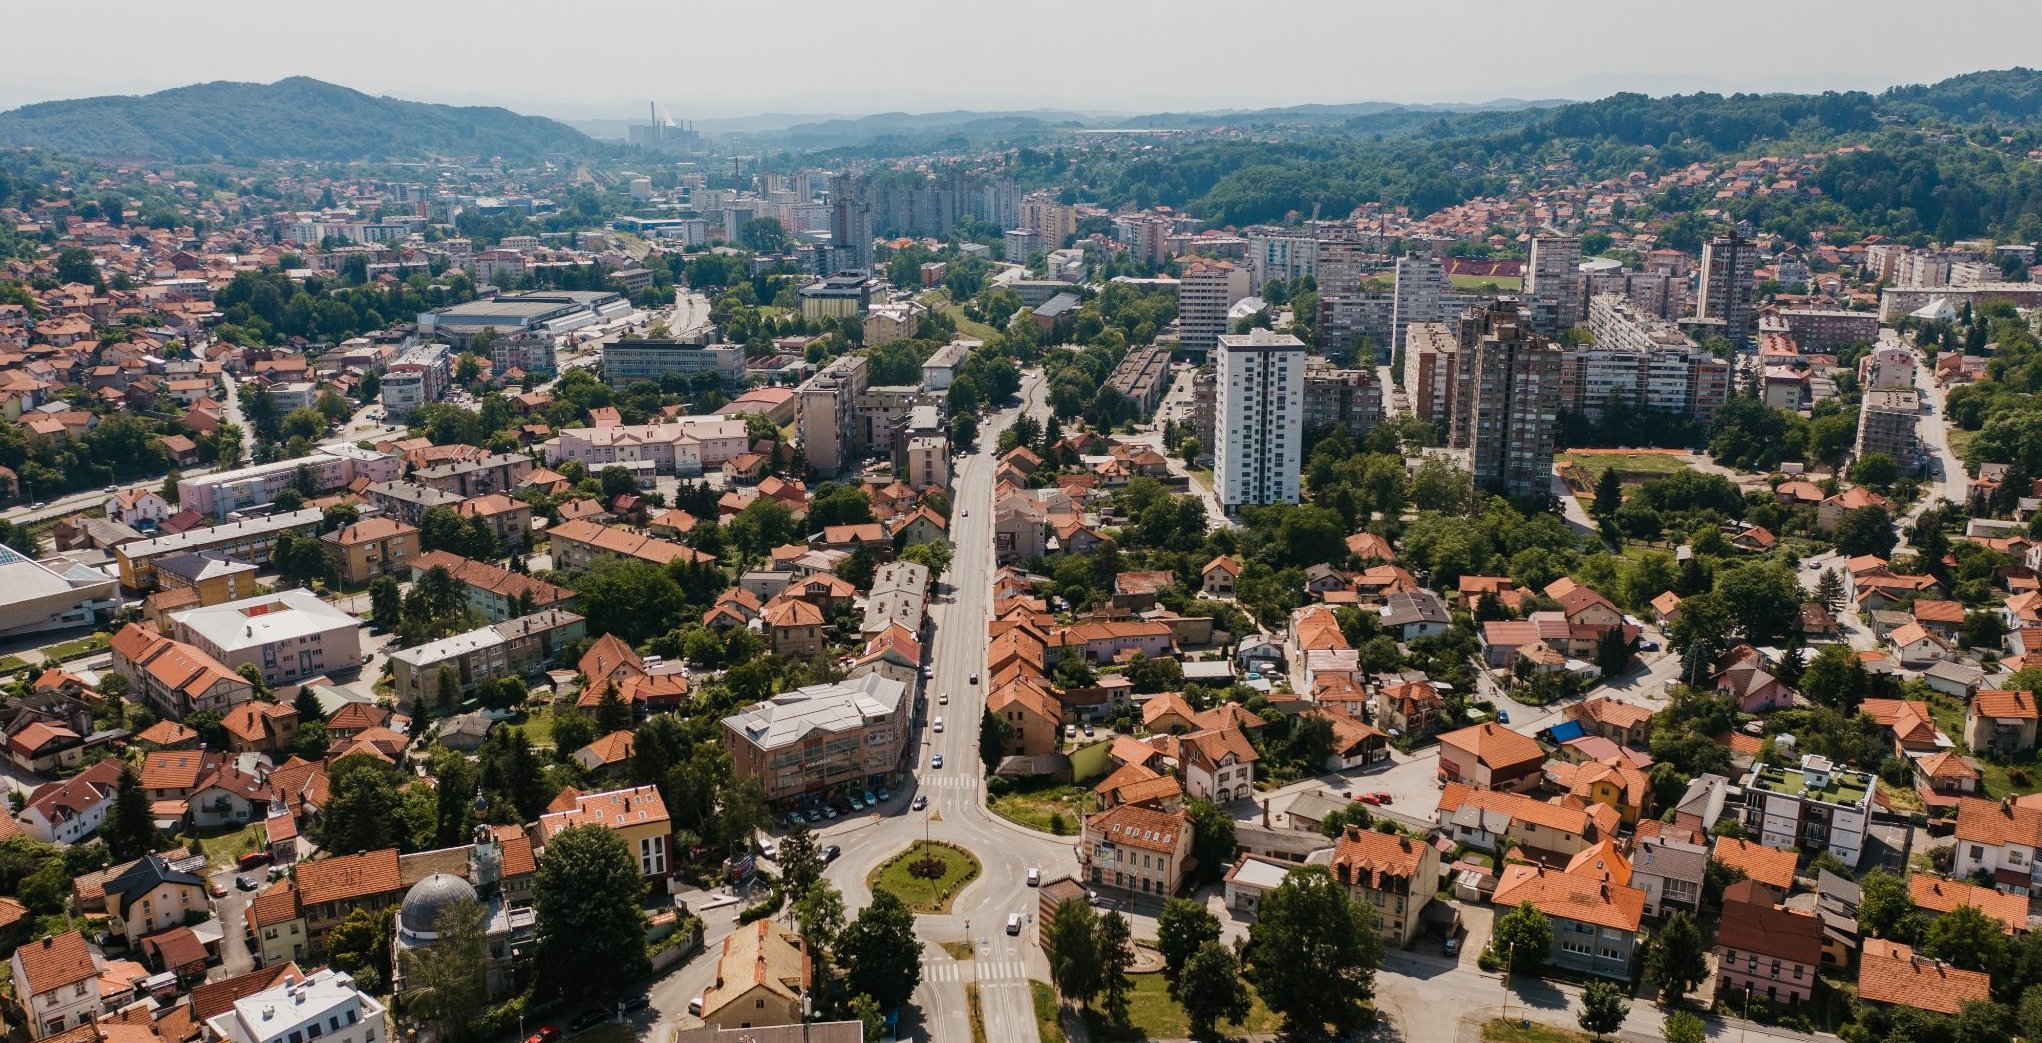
(705,59)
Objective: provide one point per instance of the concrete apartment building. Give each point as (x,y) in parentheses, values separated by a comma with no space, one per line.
(249,540)
(419,376)
(844,295)
(1507,401)
(686,445)
(1258,417)
(325,1005)
(1823,331)
(1392,874)
(828,415)
(1656,292)
(1142,377)
(1886,424)
(289,635)
(823,739)
(493,592)
(1729,285)
(1643,360)
(630,360)
(1813,807)
(1431,354)
(496,473)
(218,496)
(371,547)
(174,678)
(1554,275)
(1207,291)
(1135,848)
(1421,296)
(1359,319)
(514,648)
(928,459)
(1349,398)
(1274,256)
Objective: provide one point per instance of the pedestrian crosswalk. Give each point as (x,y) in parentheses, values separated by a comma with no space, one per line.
(965,782)
(981,971)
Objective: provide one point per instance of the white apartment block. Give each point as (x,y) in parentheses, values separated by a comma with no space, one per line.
(330,469)
(324,1005)
(1287,257)
(1259,417)
(1555,275)
(1421,295)
(683,446)
(1815,806)
(1207,292)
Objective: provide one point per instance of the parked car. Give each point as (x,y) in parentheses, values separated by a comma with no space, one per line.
(974,679)
(219,890)
(856,804)
(694,1007)
(767,848)
(246,882)
(588,1019)
(1374,800)
(635,1001)
(1453,944)
(546,1034)
(1070,731)
(1503,717)
(254,858)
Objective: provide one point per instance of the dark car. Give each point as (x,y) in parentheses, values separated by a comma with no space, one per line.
(245,882)
(831,852)
(636,1001)
(589,1018)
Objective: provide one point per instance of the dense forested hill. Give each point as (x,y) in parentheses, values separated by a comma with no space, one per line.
(297,118)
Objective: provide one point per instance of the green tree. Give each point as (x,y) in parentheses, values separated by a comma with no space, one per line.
(1181,929)
(1116,955)
(361,801)
(993,735)
(866,1010)
(1521,938)
(1073,951)
(1885,908)
(586,894)
(386,600)
(799,860)
(130,829)
(1313,951)
(1212,838)
(1677,958)
(1966,937)
(1683,1027)
(446,983)
(360,945)
(1875,469)
(1835,678)
(1609,493)
(1829,590)
(1210,989)
(1603,1007)
(879,952)
(1866,530)
(820,913)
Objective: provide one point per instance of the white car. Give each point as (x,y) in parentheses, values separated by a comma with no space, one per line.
(939,723)
(1034,877)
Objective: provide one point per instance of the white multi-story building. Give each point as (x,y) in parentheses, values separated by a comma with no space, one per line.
(1258,415)
(1207,292)
(1815,807)
(1421,295)
(1555,275)
(684,445)
(1287,257)
(325,1005)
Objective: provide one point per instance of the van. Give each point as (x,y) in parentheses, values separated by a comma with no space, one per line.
(1013,923)
(695,1007)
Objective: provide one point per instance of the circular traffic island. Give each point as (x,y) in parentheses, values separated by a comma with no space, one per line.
(927,876)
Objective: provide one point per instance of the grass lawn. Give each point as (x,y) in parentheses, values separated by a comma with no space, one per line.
(10,664)
(924,895)
(83,646)
(969,327)
(1152,1014)
(960,950)
(1960,440)
(1632,468)
(1036,808)
(223,847)
(1476,282)
(978,1022)
(1046,1024)
(1500,1030)
(538,725)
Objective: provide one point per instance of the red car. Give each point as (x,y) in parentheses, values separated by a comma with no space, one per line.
(1374,799)
(546,1034)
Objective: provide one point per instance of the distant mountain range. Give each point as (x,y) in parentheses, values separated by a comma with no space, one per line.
(303,118)
(296,118)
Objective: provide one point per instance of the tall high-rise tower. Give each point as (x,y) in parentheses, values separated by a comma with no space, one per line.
(1258,418)
(1507,402)
(1729,283)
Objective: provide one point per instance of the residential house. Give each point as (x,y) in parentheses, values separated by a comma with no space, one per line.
(56,983)
(1218,577)
(637,815)
(1490,756)
(1816,806)
(1136,849)
(2001,840)
(763,977)
(371,547)
(1391,873)
(1626,724)
(793,627)
(1669,863)
(151,896)
(1413,615)
(1894,974)
(1764,952)
(2001,721)
(260,727)
(1594,915)
(1769,867)
(1935,896)
(71,810)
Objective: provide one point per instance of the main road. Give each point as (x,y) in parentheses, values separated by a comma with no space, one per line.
(1002,963)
